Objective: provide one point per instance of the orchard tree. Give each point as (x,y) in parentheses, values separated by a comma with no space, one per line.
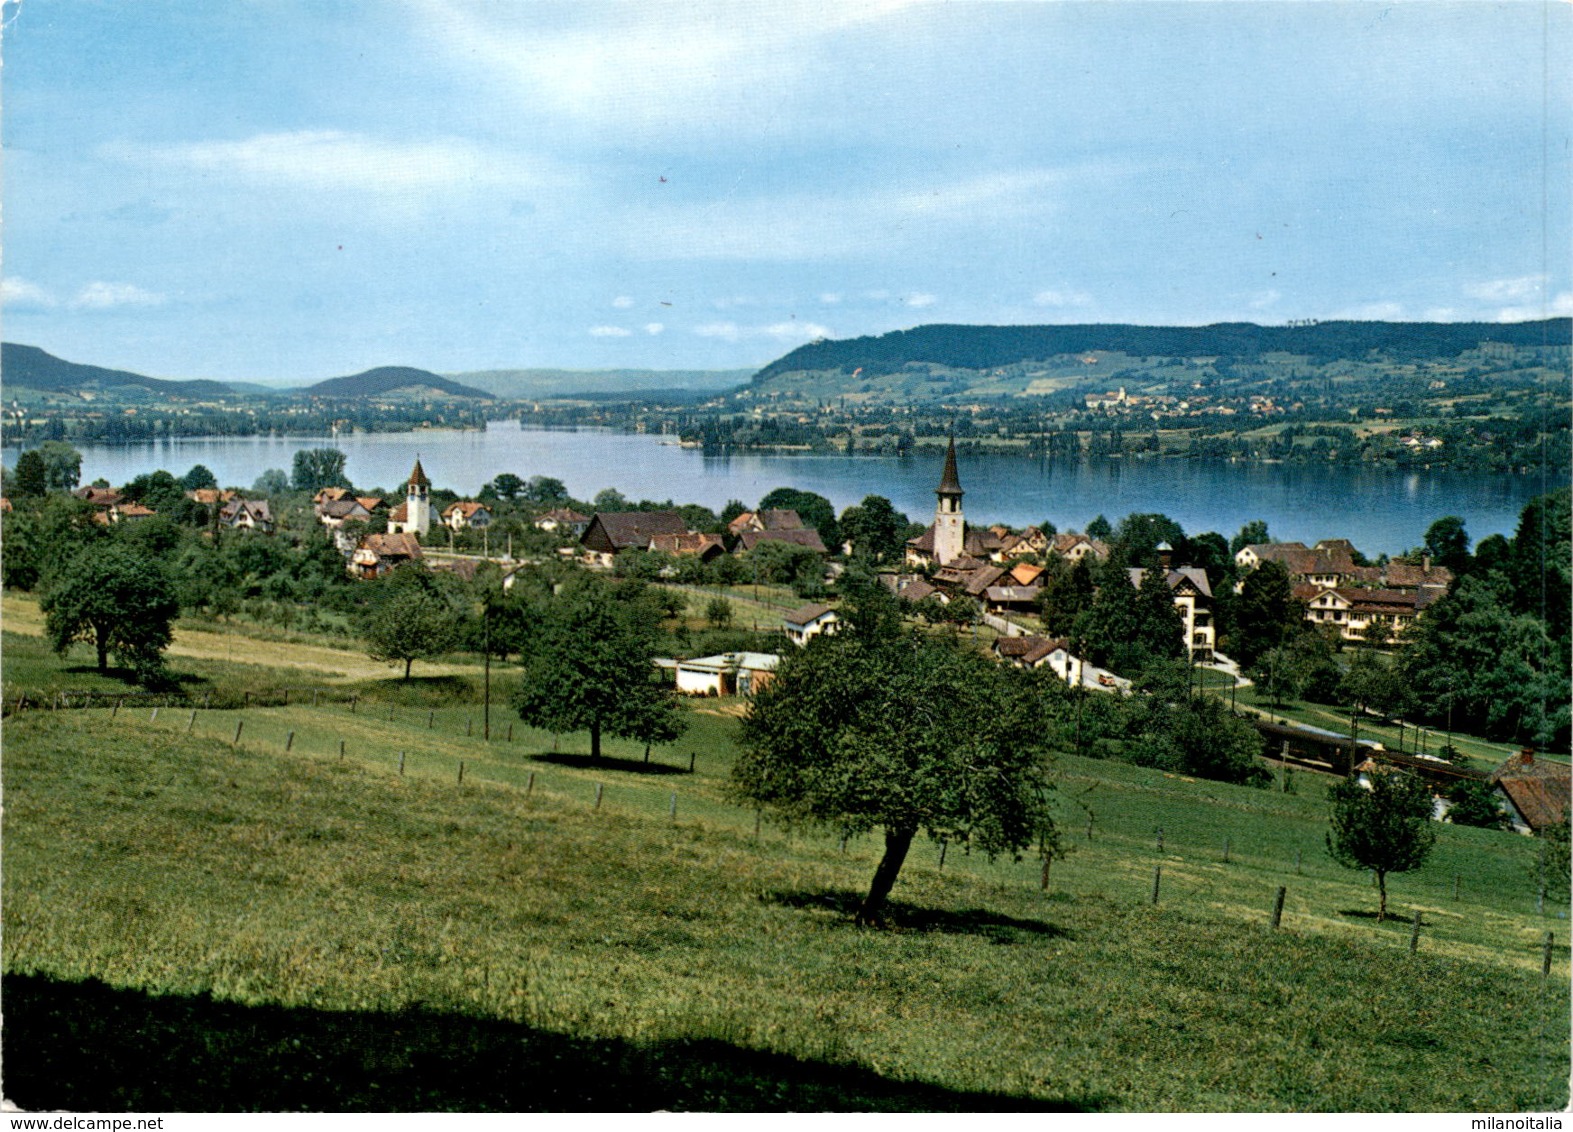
(874,527)
(119,601)
(1264,614)
(1253,533)
(507,486)
(1386,828)
(200,477)
(1448,543)
(413,617)
(815,510)
(587,666)
(900,732)
(31,475)
(62,464)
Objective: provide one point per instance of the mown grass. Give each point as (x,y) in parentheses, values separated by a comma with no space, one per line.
(579,956)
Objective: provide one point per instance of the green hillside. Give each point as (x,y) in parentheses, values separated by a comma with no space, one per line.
(385,380)
(542,383)
(282,922)
(28,367)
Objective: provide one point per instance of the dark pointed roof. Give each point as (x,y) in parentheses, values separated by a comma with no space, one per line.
(418,476)
(949,483)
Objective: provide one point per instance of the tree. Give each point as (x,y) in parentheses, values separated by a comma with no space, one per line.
(1189,734)
(1386,828)
(506,485)
(1067,594)
(1473,802)
(1448,543)
(119,601)
(1160,627)
(718,611)
(1138,535)
(900,732)
(317,468)
(815,511)
(31,477)
(587,667)
(274,481)
(1253,533)
(412,618)
(62,464)
(874,527)
(199,478)
(1264,613)
(548,489)
(157,490)
(1099,528)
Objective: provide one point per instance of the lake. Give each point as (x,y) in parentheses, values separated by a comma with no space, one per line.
(1379,510)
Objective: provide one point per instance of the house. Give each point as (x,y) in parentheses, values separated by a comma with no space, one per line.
(129,512)
(247,514)
(809,621)
(796,537)
(1034,652)
(1012,599)
(101,497)
(564,520)
(377,554)
(782,519)
(610,532)
(331,495)
(334,513)
(1361,614)
(728,674)
(687,544)
(1025,574)
(467,516)
(1075,547)
(1535,792)
(1193,597)
(210,496)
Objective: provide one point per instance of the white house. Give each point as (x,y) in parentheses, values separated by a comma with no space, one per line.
(726,674)
(808,621)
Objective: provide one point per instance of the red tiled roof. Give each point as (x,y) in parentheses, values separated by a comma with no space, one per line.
(809,538)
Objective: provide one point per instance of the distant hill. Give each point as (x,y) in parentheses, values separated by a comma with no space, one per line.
(643,383)
(389,379)
(987,347)
(28,367)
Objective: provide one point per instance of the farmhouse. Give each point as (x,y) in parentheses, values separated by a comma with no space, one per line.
(377,554)
(728,674)
(1534,792)
(782,519)
(806,622)
(806,538)
(686,544)
(467,516)
(247,514)
(564,520)
(610,532)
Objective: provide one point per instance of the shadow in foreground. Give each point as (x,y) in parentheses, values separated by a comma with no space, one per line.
(85,1046)
(912,917)
(627,766)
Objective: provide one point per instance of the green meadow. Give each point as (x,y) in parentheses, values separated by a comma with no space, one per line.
(288,921)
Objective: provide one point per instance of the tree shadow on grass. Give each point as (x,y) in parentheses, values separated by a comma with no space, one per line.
(626,766)
(88,1047)
(901,916)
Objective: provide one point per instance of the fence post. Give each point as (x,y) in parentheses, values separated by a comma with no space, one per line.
(674,805)
(154,719)
(461,772)
(1043,885)
(290,742)
(314,693)
(112,713)
(692,755)
(598,788)
(1089,827)
(530,785)
(341,750)
(286,697)
(843,843)
(430,716)
(1545,963)
(192,722)
(1278,907)
(510,733)
(758,817)
(469,726)
(401,764)
(1160,839)
(248,700)
(943,845)
(354,700)
(1414,934)
(239,723)
(1226,848)
(1157,878)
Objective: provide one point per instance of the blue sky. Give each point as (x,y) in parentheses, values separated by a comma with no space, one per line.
(290,190)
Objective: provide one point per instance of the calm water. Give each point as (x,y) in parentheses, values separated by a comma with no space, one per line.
(1378,510)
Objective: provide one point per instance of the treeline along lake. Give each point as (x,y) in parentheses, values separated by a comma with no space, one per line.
(1380,510)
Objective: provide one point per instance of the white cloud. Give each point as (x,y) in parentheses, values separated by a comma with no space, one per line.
(830,298)
(21,293)
(1442,314)
(878,296)
(105,296)
(920,300)
(1559,306)
(1507,290)
(654,327)
(1062,298)
(725,330)
(1264,299)
(336,160)
(790,330)
(622,302)
(1380,311)
(609,332)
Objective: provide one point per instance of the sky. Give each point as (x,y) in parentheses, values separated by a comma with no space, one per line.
(291,190)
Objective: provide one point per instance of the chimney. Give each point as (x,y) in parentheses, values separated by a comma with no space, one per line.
(1425,563)
(1526,756)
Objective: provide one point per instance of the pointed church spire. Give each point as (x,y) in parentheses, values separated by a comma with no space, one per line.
(949,482)
(418,476)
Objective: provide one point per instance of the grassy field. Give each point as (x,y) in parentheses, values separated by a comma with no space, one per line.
(322,915)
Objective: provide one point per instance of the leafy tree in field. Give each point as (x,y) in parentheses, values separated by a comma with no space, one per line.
(1160,628)
(1448,544)
(1541,568)
(1493,552)
(1138,535)
(31,476)
(1209,551)
(1066,595)
(875,528)
(413,618)
(1100,529)
(903,733)
(1475,803)
(62,464)
(198,479)
(158,490)
(272,482)
(815,511)
(786,563)
(718,611)
(1110,624)
(587,667)
(317,468)
(1253,533)
(545,490)
(1370,684)
(1386,828)
(1553,862)
(119,601)
(1191,734)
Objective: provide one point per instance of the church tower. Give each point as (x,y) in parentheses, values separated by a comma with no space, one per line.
(949,526)
(417,502)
